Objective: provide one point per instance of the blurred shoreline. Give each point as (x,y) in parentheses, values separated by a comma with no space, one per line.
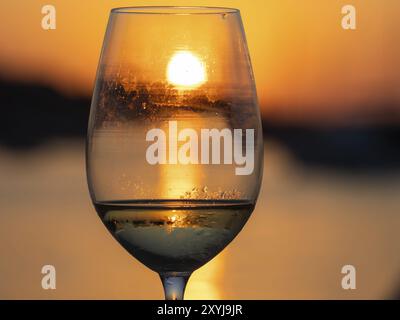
(35,115)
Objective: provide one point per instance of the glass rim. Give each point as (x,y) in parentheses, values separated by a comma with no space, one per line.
(174,10)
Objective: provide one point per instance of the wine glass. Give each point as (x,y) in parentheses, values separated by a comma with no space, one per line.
(174,147)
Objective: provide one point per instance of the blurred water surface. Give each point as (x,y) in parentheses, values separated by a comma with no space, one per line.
(308,223)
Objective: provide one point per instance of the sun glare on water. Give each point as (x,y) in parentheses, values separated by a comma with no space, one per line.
(186,70)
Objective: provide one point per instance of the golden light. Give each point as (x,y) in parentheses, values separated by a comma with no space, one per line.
(186,70)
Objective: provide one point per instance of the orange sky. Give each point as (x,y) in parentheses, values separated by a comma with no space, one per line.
(305,64)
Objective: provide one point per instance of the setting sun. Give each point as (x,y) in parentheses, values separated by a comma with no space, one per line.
(186,70)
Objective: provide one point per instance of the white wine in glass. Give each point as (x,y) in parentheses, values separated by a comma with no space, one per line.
(174,147)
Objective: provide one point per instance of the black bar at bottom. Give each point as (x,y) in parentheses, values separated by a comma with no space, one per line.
(210,309)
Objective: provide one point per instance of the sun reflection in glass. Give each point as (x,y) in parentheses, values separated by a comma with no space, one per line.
(205,283)
(186,70)
(173,218)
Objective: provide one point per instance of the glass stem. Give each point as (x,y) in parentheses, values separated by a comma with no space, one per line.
(174,284)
